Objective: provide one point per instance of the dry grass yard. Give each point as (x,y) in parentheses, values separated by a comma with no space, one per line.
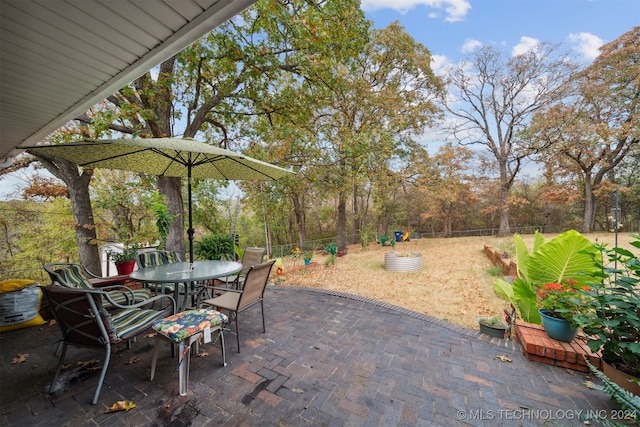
(454,283)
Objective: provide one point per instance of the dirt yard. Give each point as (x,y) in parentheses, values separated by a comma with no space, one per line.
(454,283)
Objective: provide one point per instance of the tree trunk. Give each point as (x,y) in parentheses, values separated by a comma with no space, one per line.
(446,225)
(505,186)
(84,223)
(171,189)
(78,187)
(589,217)
(357,221)
(341,224)
(300,219)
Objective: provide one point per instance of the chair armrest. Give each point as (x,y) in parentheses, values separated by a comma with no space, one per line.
(151,300)
(90,274)
(224,289)
(122,289)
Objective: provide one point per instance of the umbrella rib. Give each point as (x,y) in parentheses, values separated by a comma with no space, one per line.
(252,168)
(178,158)
(117,156)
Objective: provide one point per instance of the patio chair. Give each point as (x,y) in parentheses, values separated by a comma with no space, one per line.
(236,301)
(251,256)
(77,276)
(160,257)
(84,321)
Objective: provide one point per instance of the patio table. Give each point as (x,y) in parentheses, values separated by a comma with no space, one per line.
(187,273)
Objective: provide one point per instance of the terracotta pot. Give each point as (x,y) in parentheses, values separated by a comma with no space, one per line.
(125,268)
(621,378)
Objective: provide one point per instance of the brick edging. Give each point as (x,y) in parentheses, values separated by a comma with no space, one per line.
(509,344)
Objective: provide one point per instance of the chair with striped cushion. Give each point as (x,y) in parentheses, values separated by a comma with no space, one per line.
(160,257)
(76,276)
(84,321)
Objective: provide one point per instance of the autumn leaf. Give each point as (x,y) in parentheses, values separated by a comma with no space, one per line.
(133,360)
(86,363)
(202,354)
(590,384)
(151,335)
(20,358)
(121,405)
(503,358)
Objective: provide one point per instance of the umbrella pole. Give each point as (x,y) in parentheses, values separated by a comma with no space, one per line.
(190,230)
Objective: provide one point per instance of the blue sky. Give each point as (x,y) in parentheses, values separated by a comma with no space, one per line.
(452,28)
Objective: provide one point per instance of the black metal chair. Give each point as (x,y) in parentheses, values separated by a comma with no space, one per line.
(84,321)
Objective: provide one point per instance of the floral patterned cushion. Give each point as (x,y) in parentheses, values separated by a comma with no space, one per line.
(187,323)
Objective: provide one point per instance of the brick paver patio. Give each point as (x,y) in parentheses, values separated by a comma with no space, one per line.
(327,359)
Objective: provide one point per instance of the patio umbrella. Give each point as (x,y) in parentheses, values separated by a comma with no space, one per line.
(175,157)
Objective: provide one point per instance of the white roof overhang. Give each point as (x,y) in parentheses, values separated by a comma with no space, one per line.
(58,58)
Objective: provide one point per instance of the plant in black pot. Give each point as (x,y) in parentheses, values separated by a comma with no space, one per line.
(613,324)
(493,326)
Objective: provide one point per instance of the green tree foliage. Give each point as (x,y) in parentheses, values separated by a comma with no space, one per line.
(126,206)
(33,234)
(590,134)
(445,185)
(360,118)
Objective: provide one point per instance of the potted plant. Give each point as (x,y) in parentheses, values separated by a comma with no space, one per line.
(568,256)
(613,323)
(307,256)
(559,304)
(493,326)
(125,261)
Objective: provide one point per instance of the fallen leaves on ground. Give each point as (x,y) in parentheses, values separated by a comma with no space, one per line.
(202,354)
(503,358)
(151,335)
(133,360)
(121,405)
(20,358)
(86,363)
(590,385)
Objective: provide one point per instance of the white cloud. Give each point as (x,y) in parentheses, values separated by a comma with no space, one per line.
(586,44)
(439,64)
(526,44)
(470,45)
(455,10)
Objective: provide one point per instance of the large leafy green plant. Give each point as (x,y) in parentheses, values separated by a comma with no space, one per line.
(569,256)
(613,321)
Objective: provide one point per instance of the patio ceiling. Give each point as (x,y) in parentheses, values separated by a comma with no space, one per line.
(58,58)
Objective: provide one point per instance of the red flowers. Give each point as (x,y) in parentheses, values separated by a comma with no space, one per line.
(564,299)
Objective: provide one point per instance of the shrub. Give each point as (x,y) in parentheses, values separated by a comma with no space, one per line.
(215,247)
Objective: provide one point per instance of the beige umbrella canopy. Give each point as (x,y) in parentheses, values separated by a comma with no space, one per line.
(175,157)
